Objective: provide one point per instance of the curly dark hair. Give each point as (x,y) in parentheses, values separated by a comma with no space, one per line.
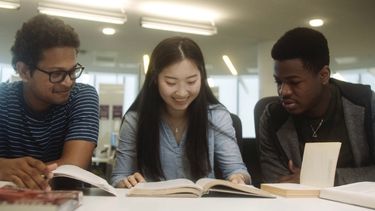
(303,43)
(38,34)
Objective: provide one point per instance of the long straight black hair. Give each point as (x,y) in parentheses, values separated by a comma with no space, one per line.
(149,106)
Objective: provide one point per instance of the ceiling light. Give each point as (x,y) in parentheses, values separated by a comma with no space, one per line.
(146,61)
(179,26)
(179,11)
(107,4)
(10,4)
(316,22)
(82,13)
(211,82)
(230,65)
(346,60)
(109,31)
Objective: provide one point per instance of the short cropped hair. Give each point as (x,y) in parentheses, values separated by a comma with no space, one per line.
(38,34)
(303,43)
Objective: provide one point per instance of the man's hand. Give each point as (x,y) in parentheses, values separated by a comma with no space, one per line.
(294,176)
(26,172)
(131,181)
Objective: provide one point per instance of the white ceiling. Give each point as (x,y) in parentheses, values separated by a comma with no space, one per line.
(349,28)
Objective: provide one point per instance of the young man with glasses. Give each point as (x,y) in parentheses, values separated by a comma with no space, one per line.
(47,118)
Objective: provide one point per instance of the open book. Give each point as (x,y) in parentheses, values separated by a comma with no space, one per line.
(360,193)
(203,187)
(17,199)
(317,172)
(78,173)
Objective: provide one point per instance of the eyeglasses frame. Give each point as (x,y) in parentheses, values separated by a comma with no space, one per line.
(74,69)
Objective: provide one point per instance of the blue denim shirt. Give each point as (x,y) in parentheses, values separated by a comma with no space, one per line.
(173,162)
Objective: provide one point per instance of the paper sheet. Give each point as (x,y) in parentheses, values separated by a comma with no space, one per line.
(319,164)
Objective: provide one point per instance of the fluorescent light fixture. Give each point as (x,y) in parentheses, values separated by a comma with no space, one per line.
(230,65)
(179,26)
(346,60)
(107,4)
(146,62)
(316,22)
(108,31)
(82,13)
(10,4)
(178,10)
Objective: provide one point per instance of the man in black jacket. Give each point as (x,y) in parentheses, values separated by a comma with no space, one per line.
(315,108)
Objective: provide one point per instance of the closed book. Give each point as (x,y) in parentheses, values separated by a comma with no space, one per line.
(291,189)
(317,171)
(17,199)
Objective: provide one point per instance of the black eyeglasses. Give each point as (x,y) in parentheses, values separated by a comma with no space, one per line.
(60,75)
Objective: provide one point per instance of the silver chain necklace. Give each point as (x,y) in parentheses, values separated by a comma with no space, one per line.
(177,129)
(315,130)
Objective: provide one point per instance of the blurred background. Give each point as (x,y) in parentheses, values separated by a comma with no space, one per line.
(239,32)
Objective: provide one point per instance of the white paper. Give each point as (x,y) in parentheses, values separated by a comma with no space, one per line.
(319,164)
(360,193)
(78,173)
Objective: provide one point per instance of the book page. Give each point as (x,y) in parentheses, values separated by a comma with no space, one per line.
(206,183)
(169,188)
(175,183)
(218,185)
(319,164)
(7,184)
(78,173)
(360,193)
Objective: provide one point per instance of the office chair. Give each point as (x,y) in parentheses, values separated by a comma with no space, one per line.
(259,108)
(250,148)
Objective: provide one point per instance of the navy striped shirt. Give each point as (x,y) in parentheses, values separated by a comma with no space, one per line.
(42,136)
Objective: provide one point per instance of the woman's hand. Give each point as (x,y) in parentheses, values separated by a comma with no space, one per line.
(131,180)
(238,178)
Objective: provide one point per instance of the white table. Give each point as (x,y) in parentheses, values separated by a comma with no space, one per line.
(123,203)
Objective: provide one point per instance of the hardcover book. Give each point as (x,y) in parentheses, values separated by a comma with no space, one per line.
(17,199)
(77,173)
(203,187)
(80,174)
(291,189)
(317,172)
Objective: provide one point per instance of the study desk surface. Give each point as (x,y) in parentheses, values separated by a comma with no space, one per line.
(123,203)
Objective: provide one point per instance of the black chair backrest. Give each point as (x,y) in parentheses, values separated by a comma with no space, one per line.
(251,160)
(251,152)
(259,108)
